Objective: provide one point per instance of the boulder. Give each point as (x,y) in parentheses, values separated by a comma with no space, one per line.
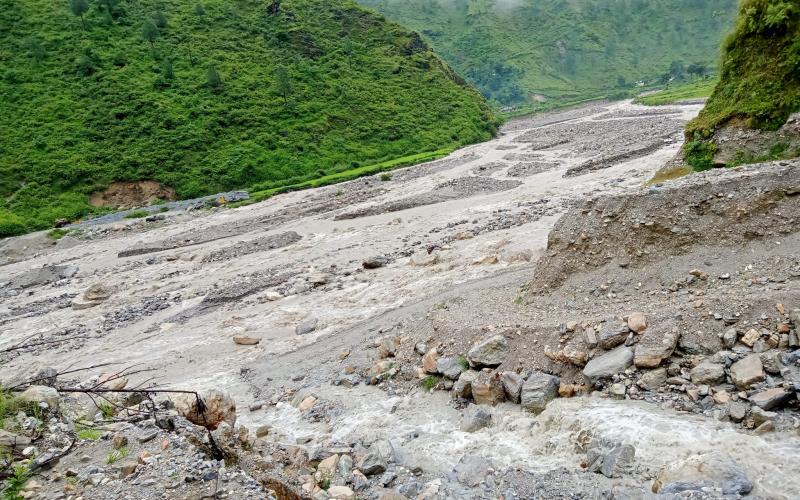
(729,338)
(512,384)
(41,394)
(487,389)
(612,335)
(708,372)
(715,469)
(609,364)
(10,441)
(653,379)
(490,352)
(654,347)
(538,390)
(750,337)
(375,262)
(771,398)
(327,467)
(450,367)
(471,470)
(475,418)
(462,388)
(308,325)
(637,322)
(747,371)
(430,361)
(376,459)
(217,407)
(340,493)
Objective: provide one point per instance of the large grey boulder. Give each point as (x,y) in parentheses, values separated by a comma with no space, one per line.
(747,371)
(538,390)
(708,372)
(609,364)
(449,367)
(715,469)
(490,352)
(512,383)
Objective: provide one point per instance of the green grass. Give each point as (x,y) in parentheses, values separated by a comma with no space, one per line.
(681,92)
(137,214)
(9,405)
(464,362)
(318,89)
(116,455)
(14,484)
(430,382)
(514,51)
(89,434)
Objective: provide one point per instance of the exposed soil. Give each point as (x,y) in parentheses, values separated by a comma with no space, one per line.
(124,195)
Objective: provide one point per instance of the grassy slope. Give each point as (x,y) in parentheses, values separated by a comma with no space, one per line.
(688,90)
(568,50)
(362,91)
(760,78)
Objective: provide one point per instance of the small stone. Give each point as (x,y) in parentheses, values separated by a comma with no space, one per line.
(119,441)
(737,411)
(750,337)
(652,379)
(711,469)
(41,394)
(262,431)
(307,326)
(147,435)
(338,492)
(463,386)
(722,397)
(729,338)
(764,428)
(655,346)
(307,403)
(637,322)
(127,468)
(375,262)
(327,467)
(430,360)
(617,391)
(245,340)
(708,372)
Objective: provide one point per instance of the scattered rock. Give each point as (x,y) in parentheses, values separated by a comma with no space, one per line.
(708,372)
(430,361)
(340,493)
(654,347)
(771,398)
(637,322)
(307,326)
(653,379)
(750,337)
(219,407)
(538,390)
(512,384)
(450,368)
(475,418)
(747,371)
(612,335)
(490,352)
(729,338)
(487,389)
(714,469)
(462,388)
(609,364)
(245,340)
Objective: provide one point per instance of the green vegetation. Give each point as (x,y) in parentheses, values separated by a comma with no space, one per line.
(759,83)
(116,455)
(137,214)
(430,382)
(212,97)
(89,434)
(777,151)
(537,54)
(13,486)
(464,362)
(9,405)
(699,155)
(681,92)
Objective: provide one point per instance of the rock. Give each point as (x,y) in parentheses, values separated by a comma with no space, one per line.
(307,326)
(610,460)
(590,337)
(219,407)
(374,461)
(475,418)
(708,372)
(375,262)
(760,416)
(430,361)
(472,470)
(41,394)
(490,352)
(307,403)
(750,337)
(245,340)
(450,368)
(360,481)
(119,441)
(608,364)
(771,398)
(538,390)
(618,390)
(422,258)
(340,493)
(47,376)
(653,379)
(487,389)
(764,428)
(98,292)
(747,371)
(737,411)
(637,322)
(127,468)
(327,467)
(654,347)
(9,441)
(262,431)
(421,348)
(729,338)
(147,435)
(512,384)
(613,335)
(463,386)
(714,469)
(112,380)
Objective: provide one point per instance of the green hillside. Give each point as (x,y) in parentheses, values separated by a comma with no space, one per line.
(209,96)
(760,78)
(518,51)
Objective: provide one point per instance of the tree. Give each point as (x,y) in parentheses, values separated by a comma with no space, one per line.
(79,8)
(214,80)
(283,84)
(697,69)
(160,19)
(676,69)
(199,10)
(35,49)
(150,33)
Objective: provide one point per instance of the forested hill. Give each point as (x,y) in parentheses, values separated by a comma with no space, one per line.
(210,95)
(518,50)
